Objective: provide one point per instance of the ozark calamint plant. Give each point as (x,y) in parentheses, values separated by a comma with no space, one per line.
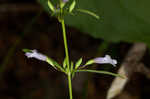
(68,67)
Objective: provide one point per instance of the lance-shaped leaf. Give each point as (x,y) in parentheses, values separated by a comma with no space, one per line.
(51,62)
(88,12)
(78,63)
(72,6)
(65,63)
(54,64)
(62,3)
(27,50)
(50,5)
(100,72)
(72,65)
(89,62)
(73,74)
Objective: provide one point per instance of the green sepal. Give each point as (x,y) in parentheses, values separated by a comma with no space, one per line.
(73,74)
(26,50)
(65,62)
(51,62)
(88,12)
(72,6)
(50,5)
(54,64)
(62,4)
(78,63)
(89,62)
(72,65)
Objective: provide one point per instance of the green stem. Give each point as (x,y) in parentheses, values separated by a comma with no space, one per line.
(70,85)
(67,58)
(65,42)
(100,72)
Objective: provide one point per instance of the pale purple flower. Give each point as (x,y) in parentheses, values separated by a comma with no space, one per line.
(35,54)
(105,60)
(65,1)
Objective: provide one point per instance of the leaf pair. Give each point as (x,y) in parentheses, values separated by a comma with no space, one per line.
(77,64)
(71,8)
(62,4)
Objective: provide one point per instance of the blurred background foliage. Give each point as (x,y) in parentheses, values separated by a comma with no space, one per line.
(122,20)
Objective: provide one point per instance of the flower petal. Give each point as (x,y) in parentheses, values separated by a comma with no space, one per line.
(105,60)
(35,54)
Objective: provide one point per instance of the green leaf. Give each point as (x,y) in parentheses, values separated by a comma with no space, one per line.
(62,4)
(51,61)
(50,5)
(122,20)
(73,74)
(72,6)
(54,64)
(72,65)
(89,62)
(65,63)
(78,63)
(26,50)
(100,72)
(88,12)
